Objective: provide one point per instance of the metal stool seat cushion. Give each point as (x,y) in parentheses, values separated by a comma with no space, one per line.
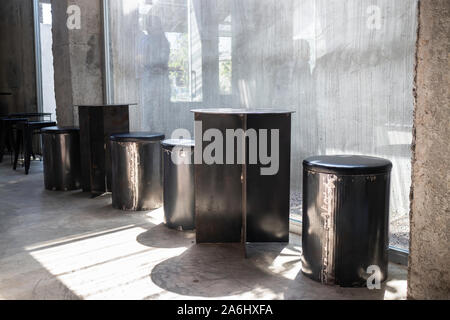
(348,165)
(59,130)
(137,136)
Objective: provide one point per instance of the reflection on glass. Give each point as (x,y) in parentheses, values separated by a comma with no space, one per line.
(167,42)
(179,66)
(195,51)
(153,61)
(225,56)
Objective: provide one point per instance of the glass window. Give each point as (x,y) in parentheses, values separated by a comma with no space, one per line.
(46,56)
(225,66)
(345,68)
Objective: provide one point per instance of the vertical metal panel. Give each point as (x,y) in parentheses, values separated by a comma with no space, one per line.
(268,196)
(218,189)
(362,227)
(97,145)
(97,123)
(85,148)
(179,201)
(115,120)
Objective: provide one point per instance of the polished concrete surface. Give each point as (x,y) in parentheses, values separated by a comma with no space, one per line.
(65,245)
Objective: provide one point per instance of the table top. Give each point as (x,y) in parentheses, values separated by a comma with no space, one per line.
(59,130)
(29,114)
(241,111)
(13,119)
(137,136)
(106,105)
(36,124)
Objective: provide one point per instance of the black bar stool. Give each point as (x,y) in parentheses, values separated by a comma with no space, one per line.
(61,150)
(24,138)
(7,127)
(136,171)
(345,219)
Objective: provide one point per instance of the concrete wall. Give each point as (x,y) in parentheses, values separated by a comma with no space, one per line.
(17,56)
(429,260)
(78,58)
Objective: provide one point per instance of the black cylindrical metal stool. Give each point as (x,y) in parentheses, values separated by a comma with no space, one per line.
(61,150)
(345,219)
(136,171)
(179,210)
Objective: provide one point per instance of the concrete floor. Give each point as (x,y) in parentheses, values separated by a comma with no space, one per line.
(65,245)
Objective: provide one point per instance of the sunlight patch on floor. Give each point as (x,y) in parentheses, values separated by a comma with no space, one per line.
(287,264)
(395,289)
(156,216)
(108,265)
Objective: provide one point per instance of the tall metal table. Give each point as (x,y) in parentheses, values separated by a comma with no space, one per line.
(234,202)
(97,123)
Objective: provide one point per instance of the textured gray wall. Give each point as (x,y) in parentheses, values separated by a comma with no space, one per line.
(17,60)
(429,271)
(78,58)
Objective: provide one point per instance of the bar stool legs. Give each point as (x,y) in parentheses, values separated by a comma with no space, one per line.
(6,138)
(17,148)
(10,139)
(2,139)
(27,136)
(24,139)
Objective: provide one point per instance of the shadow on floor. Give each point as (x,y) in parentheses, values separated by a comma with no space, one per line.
(271,271)
(162,237)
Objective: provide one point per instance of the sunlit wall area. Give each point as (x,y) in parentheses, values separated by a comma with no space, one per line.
(345,67)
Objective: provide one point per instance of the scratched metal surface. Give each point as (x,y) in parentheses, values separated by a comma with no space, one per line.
(137,182)
(178,186)
(341,238)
